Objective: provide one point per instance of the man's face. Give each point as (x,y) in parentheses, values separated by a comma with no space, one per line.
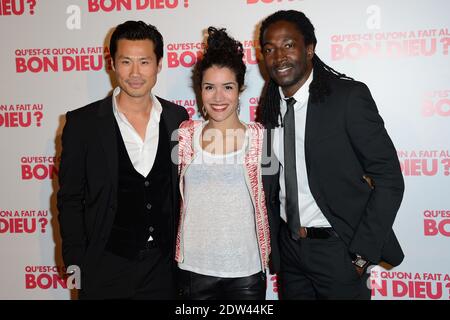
(136,67)
(286,58)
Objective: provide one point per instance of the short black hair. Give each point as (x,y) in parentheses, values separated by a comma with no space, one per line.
(137,30)
(221,51)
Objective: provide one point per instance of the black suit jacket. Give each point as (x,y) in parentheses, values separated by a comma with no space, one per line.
(345,139)
(88,178)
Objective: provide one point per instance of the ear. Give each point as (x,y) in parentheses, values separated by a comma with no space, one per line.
(160,65)
(112,65)
(310,51)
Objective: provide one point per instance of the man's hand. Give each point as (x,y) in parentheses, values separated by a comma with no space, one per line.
(360,270)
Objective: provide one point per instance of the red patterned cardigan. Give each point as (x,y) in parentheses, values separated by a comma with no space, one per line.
(253,178)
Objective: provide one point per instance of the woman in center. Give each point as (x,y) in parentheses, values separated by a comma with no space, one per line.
(223,241)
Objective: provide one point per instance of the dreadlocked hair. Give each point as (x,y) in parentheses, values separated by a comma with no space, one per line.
(269,111)
(221,51)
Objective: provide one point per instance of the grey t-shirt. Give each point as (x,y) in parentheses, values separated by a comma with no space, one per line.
(219,232)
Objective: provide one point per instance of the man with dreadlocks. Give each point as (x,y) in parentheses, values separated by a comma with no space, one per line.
(337,187)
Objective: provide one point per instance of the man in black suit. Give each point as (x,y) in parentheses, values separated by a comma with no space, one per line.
(339,184)
(118,197)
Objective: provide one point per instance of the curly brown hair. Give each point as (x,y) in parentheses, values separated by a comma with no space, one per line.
(221,51)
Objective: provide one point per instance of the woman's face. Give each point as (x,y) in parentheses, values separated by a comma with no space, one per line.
(220,94)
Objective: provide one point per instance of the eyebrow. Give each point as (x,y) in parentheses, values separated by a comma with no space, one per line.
(130,57)
(283,39)
(225,84)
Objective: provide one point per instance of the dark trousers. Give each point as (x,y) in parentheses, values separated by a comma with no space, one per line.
(194,286)
(318,269)
(150,276)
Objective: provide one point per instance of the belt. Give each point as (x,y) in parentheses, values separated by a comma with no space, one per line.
(316,233)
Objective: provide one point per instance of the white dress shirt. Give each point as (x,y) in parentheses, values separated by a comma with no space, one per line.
(142,153)
(310,214)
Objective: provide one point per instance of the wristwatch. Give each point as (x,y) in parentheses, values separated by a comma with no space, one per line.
(359,261)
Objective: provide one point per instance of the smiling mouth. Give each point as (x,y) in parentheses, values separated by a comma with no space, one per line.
(219,108)
(135,84)
(282,70)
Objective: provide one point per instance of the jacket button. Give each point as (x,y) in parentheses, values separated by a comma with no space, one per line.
(148,206)
(151,229)
(146,183)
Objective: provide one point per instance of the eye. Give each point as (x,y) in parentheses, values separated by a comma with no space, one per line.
(229,87)
(207,87)
(289,45)
(267,50)
(125,62)
(145,62)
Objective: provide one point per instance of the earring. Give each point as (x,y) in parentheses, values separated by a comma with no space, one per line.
(204,111)
(238,109)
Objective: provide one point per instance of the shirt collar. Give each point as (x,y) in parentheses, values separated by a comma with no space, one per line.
(301,96)
(156,107)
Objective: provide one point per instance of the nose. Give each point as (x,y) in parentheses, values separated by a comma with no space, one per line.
(279,55)
(135,69)
(218,95)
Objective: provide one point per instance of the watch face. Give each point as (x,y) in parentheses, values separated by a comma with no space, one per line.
(360,262)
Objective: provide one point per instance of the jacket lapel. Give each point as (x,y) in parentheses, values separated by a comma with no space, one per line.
(270,164)
(312,127)
(107,132)
(173,142)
